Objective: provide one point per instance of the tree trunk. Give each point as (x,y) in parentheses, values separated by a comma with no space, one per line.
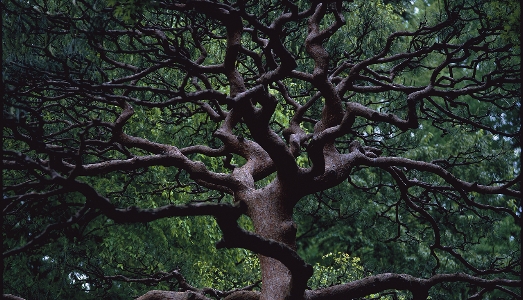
(272,218)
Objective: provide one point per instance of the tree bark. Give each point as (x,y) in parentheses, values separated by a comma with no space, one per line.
(269,211)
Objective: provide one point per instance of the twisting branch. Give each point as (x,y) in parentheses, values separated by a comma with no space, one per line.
(236,237)
(418,286)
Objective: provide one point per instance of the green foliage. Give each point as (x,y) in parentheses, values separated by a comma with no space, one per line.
(127,10)
(336,268)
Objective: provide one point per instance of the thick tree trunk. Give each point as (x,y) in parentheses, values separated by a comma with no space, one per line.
(276,279)
(272,219)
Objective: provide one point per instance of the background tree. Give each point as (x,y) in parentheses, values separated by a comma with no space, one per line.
(360,149)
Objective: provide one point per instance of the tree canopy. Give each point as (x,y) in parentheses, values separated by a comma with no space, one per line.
(207,149)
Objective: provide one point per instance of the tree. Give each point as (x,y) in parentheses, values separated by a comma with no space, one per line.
(390,135)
